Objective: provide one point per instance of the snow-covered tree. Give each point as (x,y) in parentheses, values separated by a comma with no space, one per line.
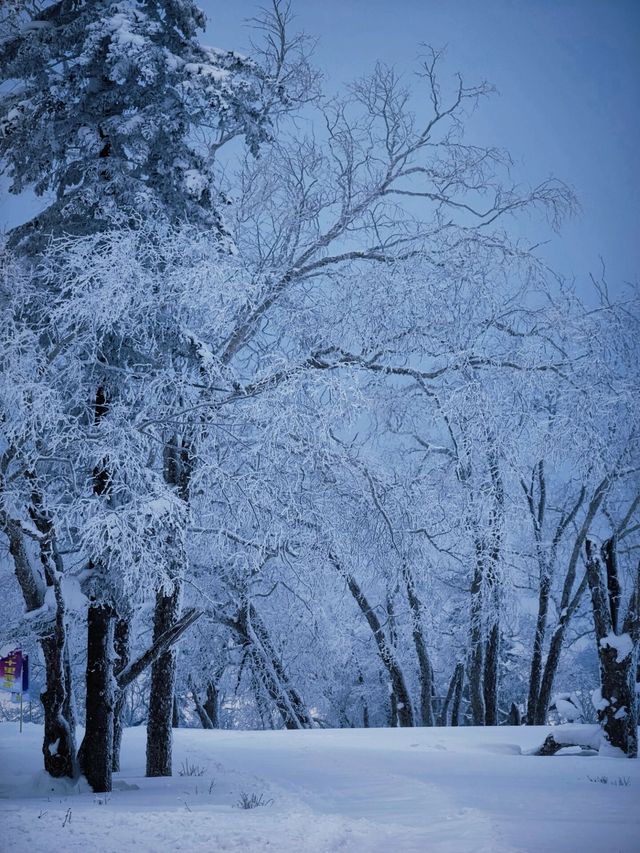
(114,108)
(128,110)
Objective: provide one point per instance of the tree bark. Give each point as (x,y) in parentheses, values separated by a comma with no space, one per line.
(163,673)
(514,718)
(59,742)
(553,656)
(490,681)
(201,711)
(476,652)
(96,754)
(568,605)
(419,641)
(211,704)
(617,653)
(457,696)
(269,670)
(177,473)
(122,648)
(398,684)
(535,675)
(458,674)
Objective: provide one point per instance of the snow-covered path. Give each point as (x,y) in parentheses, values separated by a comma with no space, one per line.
(366,791)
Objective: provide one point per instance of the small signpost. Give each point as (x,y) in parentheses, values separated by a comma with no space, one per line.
(14,675)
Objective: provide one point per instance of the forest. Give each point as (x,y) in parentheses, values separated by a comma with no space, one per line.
(298,427)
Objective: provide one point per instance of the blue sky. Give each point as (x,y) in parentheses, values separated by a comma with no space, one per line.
(568,76)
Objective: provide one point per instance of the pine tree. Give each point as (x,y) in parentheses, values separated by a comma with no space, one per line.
(105,100)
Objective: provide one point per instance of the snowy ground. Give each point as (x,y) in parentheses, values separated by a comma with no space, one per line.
(370,790)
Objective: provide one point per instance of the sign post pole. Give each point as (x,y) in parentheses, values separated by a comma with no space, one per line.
(21,694)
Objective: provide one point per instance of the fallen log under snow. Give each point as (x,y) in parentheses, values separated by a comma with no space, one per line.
(587,737)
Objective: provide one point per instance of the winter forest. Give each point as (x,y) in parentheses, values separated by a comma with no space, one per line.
(300,429)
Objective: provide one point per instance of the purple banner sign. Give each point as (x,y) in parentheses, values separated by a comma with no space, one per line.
(11,672)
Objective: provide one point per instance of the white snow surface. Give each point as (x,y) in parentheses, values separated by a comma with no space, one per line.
(465,790)
(622,643)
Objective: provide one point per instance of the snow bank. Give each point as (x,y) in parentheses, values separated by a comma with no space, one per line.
(465,790)
(622,643)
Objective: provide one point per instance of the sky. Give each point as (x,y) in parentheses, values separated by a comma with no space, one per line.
(568,77)
(568,104)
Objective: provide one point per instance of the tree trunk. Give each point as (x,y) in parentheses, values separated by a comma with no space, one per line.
(617,653)
(535,675)
(175,714)
(398,684)
(514,718)
(490,683)
(122,644)
(456,676)
(424,663)
(201,711)
(568,605)
(457,696)
(393,710)
(553,657)
(211,704)
(476,651)
(489,559)
(96,754)
(163,673)
(177,470)
(59,742)
(269,670)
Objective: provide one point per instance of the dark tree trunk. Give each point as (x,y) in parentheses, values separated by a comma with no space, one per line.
(175,716)
(59,744)
(548,677)
(553,656)
(610,558)
(490,684)
(268,668)
(514,718)
(96,754)
(122,644)
(264,711)
(457,695)
(393,710)
(489,559)
(535,675)
(201,711)
(178,464)
(617,653)
(400,691)
(457,675)
(476,652)
(568,605)
(365,707)
(419,641)
(211,704)
(163,673)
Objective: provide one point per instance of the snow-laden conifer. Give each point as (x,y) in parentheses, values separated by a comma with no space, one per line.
(114,105)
